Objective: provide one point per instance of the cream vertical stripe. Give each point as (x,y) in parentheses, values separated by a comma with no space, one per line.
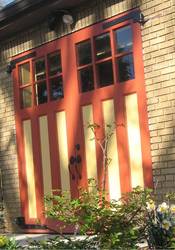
(29,169)
(89,142)
(45,155)
(63,151)
(113,169)
(134,140)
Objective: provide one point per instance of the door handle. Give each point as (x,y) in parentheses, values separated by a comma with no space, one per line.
(74,161)
(71,173)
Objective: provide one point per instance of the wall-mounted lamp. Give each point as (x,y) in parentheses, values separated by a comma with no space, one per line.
(60,15)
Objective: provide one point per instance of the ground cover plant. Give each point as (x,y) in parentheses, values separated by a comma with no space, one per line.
(8,243)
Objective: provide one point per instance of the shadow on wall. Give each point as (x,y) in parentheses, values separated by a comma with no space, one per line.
(8,158)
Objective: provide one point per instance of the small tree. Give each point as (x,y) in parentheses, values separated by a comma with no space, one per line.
(103,144)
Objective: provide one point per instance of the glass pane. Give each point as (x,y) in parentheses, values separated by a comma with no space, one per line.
(56,88)
(86,79)
(84,53)
(41,93)
(40,71)
(126,68)
(24,73)
(26,96)
(123,39)
(105,73)
(103,46)
(54,62)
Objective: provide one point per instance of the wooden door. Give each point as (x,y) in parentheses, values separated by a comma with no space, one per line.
(92,76)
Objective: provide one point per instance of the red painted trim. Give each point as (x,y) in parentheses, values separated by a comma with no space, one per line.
(142,107)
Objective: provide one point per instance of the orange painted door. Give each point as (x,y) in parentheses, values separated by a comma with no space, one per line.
(92,76)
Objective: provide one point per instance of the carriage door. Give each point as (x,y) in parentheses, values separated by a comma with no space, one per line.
(93,76)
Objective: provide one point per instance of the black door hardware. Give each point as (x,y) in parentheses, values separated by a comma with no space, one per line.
(74,162)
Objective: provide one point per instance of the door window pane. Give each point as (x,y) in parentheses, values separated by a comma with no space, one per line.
(103,46)
(40,71)
(24,73)
(41,93)
(54,61)
(126,68)
(123,39)
(86,79)
(26,96)
(56,88)
(84,53)
(105,73)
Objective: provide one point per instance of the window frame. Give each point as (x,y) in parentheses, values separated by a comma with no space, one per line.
(113,57)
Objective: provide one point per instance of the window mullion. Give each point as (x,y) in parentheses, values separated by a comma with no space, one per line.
(32,83)
(115,68)
(94,64)
(47,79)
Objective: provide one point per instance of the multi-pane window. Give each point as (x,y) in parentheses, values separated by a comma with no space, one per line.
(55,76)
(41,92)
(101,61)
(46,83)
(85,68)
(25,85)
(124,54)
(95,59)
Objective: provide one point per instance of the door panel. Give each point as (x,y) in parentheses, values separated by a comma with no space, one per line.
(45,155)
(133,129)
(113,170)
(91,76)
(63,150)
(90,150)
(30,175)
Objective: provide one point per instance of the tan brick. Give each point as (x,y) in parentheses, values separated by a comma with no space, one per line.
(163,105)
(162,91)
(171,164)
(159,165)
(169,111)
(160,178)
(158,152)
(165,131)
(169,124)
(168,171)
(164,145)
(156,139)
(156,171)
(169,183)
(154,146)
(156,126)
(155,159)
(166,138)
(169,177)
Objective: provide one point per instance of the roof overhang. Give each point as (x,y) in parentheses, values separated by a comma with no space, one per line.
(23,14)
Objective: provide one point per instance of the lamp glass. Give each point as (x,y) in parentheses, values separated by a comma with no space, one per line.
(68,19)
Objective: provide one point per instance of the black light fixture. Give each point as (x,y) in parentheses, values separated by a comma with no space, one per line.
(60,15)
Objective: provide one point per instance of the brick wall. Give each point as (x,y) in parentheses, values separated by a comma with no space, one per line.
(8,157)
(159,66)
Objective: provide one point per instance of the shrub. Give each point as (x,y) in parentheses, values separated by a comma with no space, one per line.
(116,224)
